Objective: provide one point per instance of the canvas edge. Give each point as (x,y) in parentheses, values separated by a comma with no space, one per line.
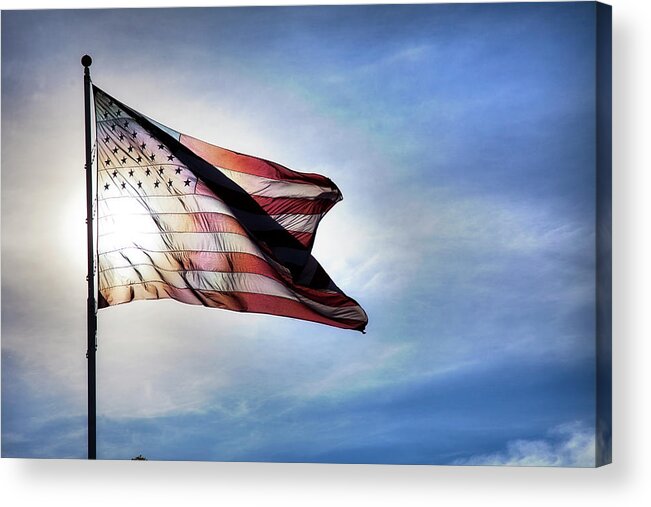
(603,429)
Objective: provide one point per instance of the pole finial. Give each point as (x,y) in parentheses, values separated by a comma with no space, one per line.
(86,61)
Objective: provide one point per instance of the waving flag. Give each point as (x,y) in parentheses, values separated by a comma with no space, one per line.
(180,218)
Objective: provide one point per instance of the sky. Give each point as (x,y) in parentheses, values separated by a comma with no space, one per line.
(462,139)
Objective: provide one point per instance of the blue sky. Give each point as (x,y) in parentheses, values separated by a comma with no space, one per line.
(462,138)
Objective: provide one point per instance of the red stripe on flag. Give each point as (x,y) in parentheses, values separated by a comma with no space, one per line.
(282,206)
(249,164)
(234,301)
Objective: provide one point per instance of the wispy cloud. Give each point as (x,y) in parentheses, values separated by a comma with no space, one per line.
(567,445)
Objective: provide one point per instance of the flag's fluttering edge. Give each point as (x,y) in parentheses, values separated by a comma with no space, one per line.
(180,218)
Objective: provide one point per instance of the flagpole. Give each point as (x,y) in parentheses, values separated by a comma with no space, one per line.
(86,61)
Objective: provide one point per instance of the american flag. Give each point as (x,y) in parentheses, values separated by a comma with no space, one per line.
(182,219)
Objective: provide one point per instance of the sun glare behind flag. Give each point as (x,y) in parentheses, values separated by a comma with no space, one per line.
(182,219)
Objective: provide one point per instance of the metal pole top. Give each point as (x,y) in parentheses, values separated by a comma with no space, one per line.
(86,61)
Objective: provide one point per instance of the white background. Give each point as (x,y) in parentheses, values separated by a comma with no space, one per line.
(626,482)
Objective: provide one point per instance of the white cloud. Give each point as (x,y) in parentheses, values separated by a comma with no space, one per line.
(567,445)
(413,54)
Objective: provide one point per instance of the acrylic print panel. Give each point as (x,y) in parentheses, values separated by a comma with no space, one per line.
(471,146)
